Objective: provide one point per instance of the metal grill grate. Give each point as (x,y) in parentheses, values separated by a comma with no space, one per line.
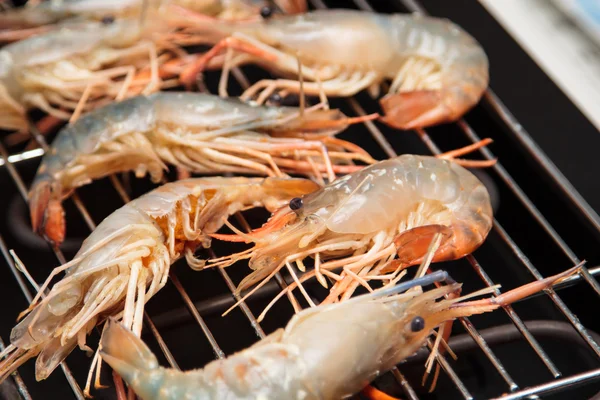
(507,387)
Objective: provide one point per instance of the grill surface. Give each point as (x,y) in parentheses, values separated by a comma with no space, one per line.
(500,355)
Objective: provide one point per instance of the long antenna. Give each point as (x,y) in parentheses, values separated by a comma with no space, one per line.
(429,279)
(301,81)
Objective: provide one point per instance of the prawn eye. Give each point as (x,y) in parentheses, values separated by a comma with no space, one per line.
(108,19)
(276,99)
(266,12)
(417,324)
(296,203)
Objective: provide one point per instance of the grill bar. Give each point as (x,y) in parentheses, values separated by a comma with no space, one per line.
(541,158)
(517,320)
(194,311)
(21,187)
(527,142)
(161,342)
(554,386)
(555,298)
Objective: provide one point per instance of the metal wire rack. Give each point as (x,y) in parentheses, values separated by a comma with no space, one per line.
(508,387)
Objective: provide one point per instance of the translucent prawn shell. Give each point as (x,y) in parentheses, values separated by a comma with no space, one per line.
(379,42)
(54,313)
(74,38)
(382,195)
(182,112)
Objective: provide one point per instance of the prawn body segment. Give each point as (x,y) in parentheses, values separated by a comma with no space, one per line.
(437,70)
(126,260)
(195,132)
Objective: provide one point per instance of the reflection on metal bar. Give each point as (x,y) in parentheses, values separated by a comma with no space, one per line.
(554,386)
(26,155)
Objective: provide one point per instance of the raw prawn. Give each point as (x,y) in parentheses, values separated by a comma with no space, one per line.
(19,23)
(438,70)
(76,68)
(126,260)
(193,131)
(326,352)
(394,208)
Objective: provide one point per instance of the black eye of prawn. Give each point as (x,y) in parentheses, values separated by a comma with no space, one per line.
(108,19)
(266,12)
(417,324)
(296,203)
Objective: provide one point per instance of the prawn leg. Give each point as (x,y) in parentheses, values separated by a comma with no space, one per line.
(453,154)
(188,75)
(341,84)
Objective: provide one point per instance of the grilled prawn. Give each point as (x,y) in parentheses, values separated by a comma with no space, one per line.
(126,260)
(438,71)
(326,352)
(360,222)
(195,132)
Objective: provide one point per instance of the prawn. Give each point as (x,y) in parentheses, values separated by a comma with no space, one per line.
(195,132)
(20,23)
(326,352)
(80,66)
(438,71)
(126,260)
(362,221)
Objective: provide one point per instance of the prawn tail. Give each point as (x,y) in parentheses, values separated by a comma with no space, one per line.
(47,213)
(415,109)
(129,356)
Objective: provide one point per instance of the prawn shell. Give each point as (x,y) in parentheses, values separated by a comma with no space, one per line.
(378,195)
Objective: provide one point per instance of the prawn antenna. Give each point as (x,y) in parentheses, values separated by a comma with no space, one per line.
(301,82)
(433,247)
(23,269)
(429,279)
